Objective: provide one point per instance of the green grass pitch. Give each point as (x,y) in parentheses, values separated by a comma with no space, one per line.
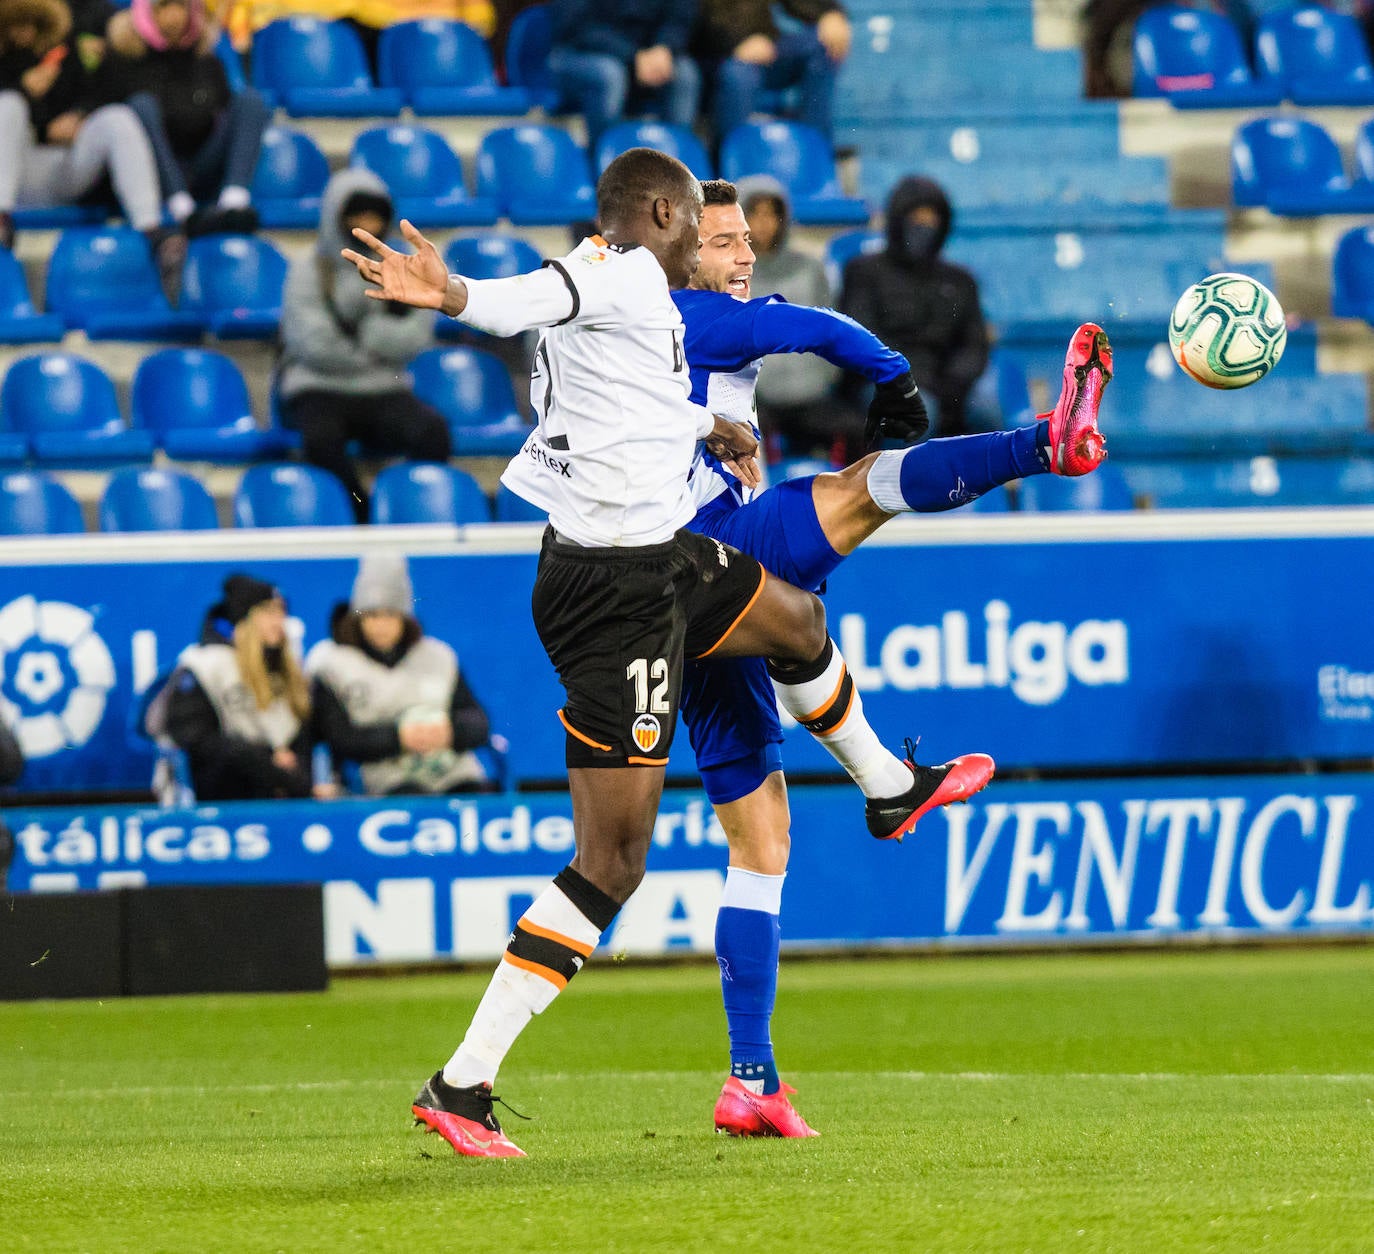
(1214,1100)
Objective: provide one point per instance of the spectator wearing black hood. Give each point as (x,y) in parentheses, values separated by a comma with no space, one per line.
(391,698)
(344,355)
(924,307)
(238,702)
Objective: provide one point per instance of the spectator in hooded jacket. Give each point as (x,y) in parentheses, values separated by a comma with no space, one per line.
(344,355)
(238,702)
(59,140)
(751,54)
(391,698)
(924,307)
(613,53)
(797,392)
(161,62)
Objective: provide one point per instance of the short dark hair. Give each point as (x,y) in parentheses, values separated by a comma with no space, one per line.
(636,178)
(719,192)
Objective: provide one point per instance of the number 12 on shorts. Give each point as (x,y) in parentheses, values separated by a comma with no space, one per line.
(640,672)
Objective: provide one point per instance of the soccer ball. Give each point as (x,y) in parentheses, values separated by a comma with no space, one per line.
(1227,331)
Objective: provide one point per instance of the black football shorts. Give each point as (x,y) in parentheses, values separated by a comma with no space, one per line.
(617,623)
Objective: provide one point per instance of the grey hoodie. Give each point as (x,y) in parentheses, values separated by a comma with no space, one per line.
(794,378)
(334,337)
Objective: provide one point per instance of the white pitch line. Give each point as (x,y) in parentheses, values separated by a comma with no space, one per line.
(532,1078)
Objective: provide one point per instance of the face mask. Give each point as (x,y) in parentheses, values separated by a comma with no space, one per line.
(920,242)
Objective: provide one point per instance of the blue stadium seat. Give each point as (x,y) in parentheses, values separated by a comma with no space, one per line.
(196,404)
(444,68)
(1248,482)
(473,391)
(59,217)
(842,248)
(232,62)
(676,141)
(423,175)
(537,175)
(1291,166)
(289,181)
(318,68)
(1317,57)
(103,281)
(515,509)
(801,160)
(997,501)
(234,283)
(489,256)
(34,504)
(1364,152)
(285,494)
(527,56)
(428,492)
(1352,275)
(139,499)
(1196,60)
(20,323)
(67,408)
(1105,489)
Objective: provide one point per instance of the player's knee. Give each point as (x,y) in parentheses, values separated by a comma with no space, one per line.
(812,633)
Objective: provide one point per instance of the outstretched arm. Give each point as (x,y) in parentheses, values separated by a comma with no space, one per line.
(783,328)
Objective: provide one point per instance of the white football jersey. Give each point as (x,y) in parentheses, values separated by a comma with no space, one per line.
(616,426)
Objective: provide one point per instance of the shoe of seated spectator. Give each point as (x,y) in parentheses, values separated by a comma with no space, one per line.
(169,253)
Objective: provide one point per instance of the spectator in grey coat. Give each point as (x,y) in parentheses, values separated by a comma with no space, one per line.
(343,369)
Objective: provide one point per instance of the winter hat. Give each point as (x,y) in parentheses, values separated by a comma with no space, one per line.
(383,583)
(242,593)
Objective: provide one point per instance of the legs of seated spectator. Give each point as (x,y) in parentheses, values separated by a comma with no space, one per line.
(112,140)
(802,62)
(172,178)
(597,85)
(677,102)
(736,89)
(15,142)
(229,157)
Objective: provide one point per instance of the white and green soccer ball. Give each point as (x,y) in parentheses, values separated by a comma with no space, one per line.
(1227,331)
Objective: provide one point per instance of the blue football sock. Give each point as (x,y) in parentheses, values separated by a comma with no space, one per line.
(944,474)
(747,944)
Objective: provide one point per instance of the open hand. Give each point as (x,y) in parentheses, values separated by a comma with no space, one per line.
(419,278)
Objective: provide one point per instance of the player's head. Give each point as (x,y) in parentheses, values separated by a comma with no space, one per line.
(727,260)
(649,198)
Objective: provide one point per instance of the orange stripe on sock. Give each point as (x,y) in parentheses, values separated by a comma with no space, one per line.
(544,973)
(557,937)
(586,740)
(763,578)
(829,701)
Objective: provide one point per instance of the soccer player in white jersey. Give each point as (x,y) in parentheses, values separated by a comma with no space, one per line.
(623,594)
(801,530)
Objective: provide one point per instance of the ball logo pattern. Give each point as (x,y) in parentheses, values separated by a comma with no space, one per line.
(1227,331)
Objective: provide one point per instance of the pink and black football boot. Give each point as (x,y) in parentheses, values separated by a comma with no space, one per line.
(741,1112)
(1077,447)
(464,1118)
(891,818)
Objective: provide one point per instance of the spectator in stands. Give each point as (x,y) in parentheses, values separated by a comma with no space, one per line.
(49,60)
(342,374)
(750,54)
(613,53)
(161,62)
(796,394)
(391,698)
(238,702)
(924,307)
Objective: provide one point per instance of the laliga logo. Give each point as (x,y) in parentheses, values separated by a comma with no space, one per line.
(54,674)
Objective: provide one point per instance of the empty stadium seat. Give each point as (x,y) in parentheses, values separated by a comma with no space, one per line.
(1248,482)
(428,492)
(444,68)
(802,161)
(290,179)
(234,283)
(139,499)
(676,141)
(842,248)
(33,504)
(423,175)
(1316,57)
(196,404)
(1292,166)
(491,256)
(1196,60)
(318,68)
(289,495)
(103,281)
(20,323)
(1105,489)
(511,508)
(537,175)
(527,56)
(1352,275)
(473,391)
(67,408)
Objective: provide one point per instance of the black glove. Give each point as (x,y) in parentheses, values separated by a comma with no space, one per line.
(897,412)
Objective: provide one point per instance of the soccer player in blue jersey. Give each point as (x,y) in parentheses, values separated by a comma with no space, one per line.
(801,530)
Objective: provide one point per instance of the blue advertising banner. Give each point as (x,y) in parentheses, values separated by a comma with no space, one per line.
(411,880)
(1048,641)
